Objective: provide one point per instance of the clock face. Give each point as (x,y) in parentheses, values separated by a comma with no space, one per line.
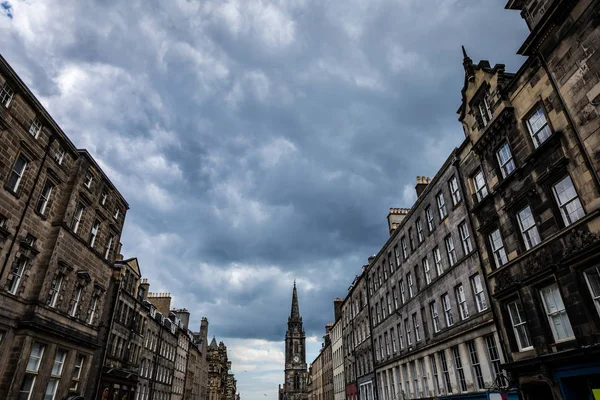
(296,359)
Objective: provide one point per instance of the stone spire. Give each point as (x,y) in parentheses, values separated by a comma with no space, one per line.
(295,313)
(468,65)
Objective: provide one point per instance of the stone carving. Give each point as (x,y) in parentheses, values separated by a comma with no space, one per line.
(504,280)
(579,240)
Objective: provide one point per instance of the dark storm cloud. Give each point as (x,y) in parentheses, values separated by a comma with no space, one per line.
(257,142)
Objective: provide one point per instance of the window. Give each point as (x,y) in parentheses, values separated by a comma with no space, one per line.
(6,95)
(557,315)
(519,324)
(415,320)
(385,275)
(108,247)
(391,264)
(592,277)
(437,257)
(445,371)
(57,368)
(484,110)
(94,232)
(379,280)
(429,215)
(17,275)
(411,237)
(76,300)
(505,160)
(55,289)
(447,309)
(42,202)
(409,281)
(404,248)
(77,217)
(407,328)
(389,303)
(454,190)
(400,337)
(475,365)
(434,316)
(402,290)
(387,344)
(117,213)
(450,250)
(103,197)
(59,154)
(424,384)
(459,369)
(568,202)
(479,183)
(92,311)
(529,231)
(465,238)
(434,371)
(378,313)
(493,355)
(538,127)
(88,180)
(498,248)
(77,372)
(31,371)
(441,206)
(16,175)
(478,291)
(419,226)
(426,271)
(35,128)
(462,302)
(397,255)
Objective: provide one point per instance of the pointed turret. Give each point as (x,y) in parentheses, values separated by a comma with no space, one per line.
(468,65)
(295,313)
(213,344)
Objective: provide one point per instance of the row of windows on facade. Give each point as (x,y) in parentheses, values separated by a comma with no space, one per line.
(166,349)
(359,334)
(163,374)
(413,327)
(364,363)
(415,373)
(56,287)
(129,318)
(37,357)
(554,309)
(410,287)
(123,348)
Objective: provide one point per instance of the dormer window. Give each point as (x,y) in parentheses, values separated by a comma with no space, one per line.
(35,128)
(485,112)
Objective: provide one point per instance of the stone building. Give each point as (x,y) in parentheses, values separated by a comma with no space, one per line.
(356,329)
(327,379)
(60,227)
(125,315)
(220,383)
(316,378)
(295,374)
(432,325)
(181,319)
(196,377)
(337,352)
(531,165)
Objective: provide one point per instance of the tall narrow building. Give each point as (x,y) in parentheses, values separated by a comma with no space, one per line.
(295,355)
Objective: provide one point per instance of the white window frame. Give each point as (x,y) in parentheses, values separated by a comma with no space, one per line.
(497,245)
(592,278)
(32,373)
(478,293)
(430,221)
(465,238)
(441,202)
(519,325)
(55,287)
(450,250)
(435,317)
(407,329)
(35,128)
(541,132)
(77,299)
(402,291)
(397,256)
(92,311)
(447,309)
(560,312)
(44,197)
(108,248)
(439,263)
(415,320)
(6,95)
(529,233)
(578,212)
(409,281)
(18,173)
(426,270)
(59,154)
(454,190)
(480,185)
(404,248)
(484,110)
(461,299)
(77,217)
(505,160)
(17,276)
(419,226)
(94,232)
(89,179)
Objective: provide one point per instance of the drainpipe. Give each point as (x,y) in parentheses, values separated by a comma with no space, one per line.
(586,156)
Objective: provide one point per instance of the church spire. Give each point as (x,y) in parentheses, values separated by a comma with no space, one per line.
(295,314)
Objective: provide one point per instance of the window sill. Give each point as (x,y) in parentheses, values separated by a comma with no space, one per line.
(541,149)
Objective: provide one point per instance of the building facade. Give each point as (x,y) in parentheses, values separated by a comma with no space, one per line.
(219,372)
(337,352)
(531,167)
(327,378)
(60,225)
(294,387)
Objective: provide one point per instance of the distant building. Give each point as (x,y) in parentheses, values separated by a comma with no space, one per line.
(294,387)
(337,352)
(60,227)
(221,381)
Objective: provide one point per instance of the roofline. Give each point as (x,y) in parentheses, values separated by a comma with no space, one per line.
(85,153)
(514,5)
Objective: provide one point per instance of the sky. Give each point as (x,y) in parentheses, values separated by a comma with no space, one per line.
(257,141)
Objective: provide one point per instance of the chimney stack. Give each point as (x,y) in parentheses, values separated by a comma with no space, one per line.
(370,259)
(337,308)
(144,288)
(162,302)
(422,182)
(395,217)
(184,317)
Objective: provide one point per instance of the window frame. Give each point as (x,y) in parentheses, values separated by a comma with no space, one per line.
(562,313)
(454,190)
(6,94)
(479,293)
(447,306)
(595,297)
(442,208)
(17,183)
(546,126)
(566,216)
(435,316)
(35,127)
(527,240)
(498,252)
(430,219)
(507,166)
(426,270)
(467,245)
(480,192)
(461,300)
(450,250)
(519,327)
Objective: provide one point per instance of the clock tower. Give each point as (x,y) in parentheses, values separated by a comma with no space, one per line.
(295,355)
